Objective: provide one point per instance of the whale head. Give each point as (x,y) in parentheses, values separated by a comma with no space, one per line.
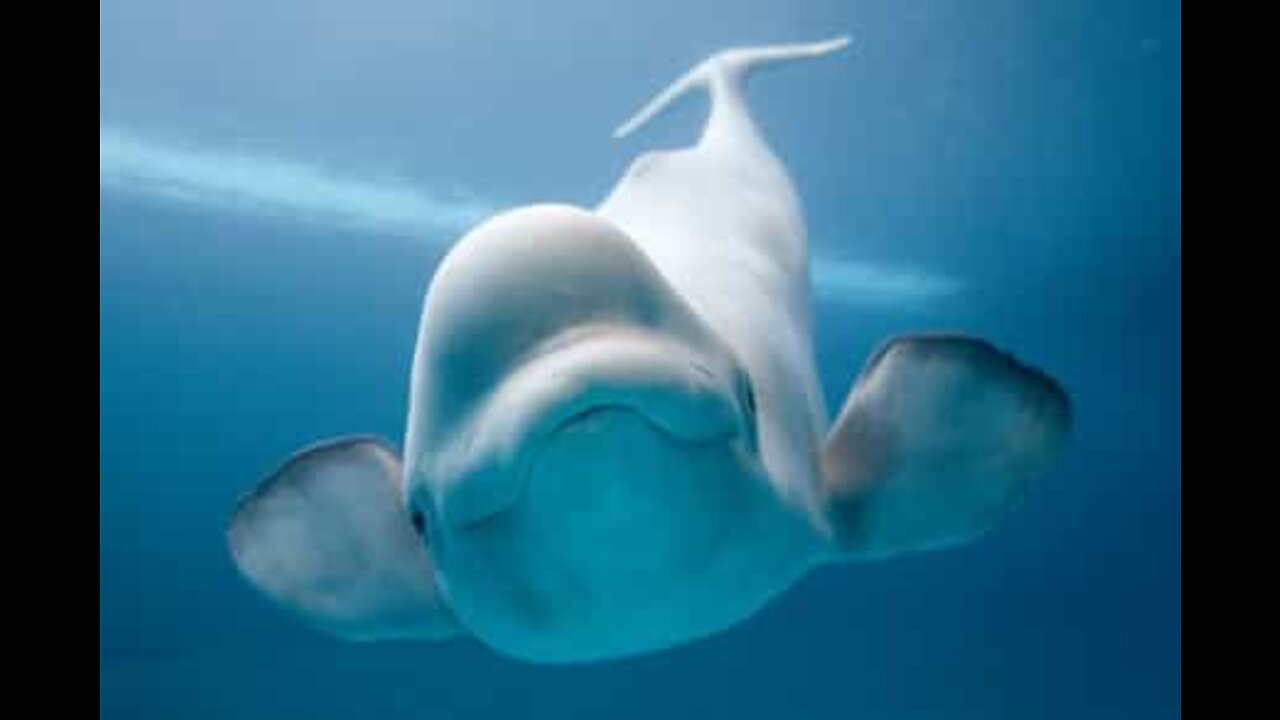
(581,446)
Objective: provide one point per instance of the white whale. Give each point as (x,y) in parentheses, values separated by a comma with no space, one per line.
(616,441)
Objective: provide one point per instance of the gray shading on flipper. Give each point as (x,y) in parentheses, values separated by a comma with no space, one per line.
(939,437)
(328,537)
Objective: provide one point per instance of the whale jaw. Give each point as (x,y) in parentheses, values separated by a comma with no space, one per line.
(608,487)
(624,538)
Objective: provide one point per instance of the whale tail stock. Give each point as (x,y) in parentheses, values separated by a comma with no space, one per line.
(722,74)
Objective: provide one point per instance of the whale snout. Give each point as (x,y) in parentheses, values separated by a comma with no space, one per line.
(596,372)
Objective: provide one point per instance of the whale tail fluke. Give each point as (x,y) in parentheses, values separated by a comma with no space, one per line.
(723,72)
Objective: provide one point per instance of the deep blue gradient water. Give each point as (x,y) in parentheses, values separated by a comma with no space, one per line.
(1025,155)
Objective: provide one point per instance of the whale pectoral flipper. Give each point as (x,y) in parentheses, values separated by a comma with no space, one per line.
(938,438)
(327,536)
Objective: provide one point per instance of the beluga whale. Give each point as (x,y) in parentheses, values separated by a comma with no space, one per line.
(616,441)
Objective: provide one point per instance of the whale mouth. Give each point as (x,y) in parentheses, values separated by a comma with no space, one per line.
(576,378)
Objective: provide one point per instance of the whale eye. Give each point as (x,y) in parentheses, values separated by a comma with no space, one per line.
(419,521)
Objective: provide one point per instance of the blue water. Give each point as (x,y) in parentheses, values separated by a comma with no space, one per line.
(1027,153)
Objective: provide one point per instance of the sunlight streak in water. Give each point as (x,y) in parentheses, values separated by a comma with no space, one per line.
(272,186)
(302,192)
(861,283)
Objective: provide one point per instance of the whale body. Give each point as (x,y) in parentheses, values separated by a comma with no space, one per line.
(616,441)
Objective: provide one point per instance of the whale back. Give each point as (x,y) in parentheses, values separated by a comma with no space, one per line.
(721,220)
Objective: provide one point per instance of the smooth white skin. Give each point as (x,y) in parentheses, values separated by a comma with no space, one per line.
(615,415)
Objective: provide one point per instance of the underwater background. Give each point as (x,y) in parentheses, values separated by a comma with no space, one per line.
(278,181)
